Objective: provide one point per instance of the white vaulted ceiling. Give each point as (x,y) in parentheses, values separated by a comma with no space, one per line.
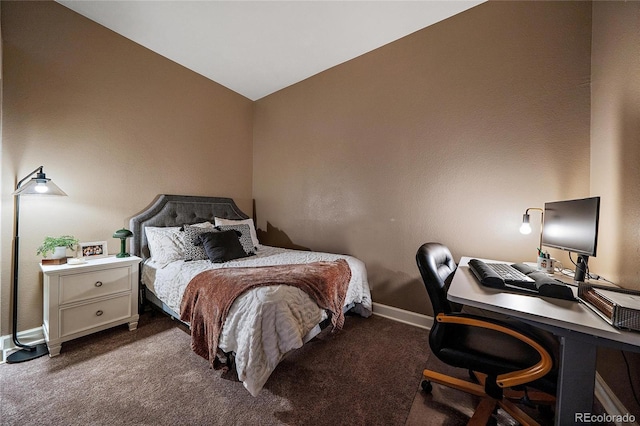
(259,47)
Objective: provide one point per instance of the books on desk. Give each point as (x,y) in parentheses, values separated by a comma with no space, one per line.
(619,307)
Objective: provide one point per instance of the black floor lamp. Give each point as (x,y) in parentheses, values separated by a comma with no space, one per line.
(37,185)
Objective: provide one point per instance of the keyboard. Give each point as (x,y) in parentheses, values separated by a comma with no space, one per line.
(508,273)
(519,277)
(491,275)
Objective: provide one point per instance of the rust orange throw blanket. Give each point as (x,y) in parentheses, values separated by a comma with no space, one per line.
(210,294)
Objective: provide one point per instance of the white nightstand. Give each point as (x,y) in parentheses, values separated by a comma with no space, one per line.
(93,296)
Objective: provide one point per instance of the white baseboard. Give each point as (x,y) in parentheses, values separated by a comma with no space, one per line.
(33,336)
(610,402)
(400,315)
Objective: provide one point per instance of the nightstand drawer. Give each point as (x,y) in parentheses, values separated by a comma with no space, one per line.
(95,314)
(94,284)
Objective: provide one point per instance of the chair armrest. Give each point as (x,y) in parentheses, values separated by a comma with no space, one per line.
(513,378)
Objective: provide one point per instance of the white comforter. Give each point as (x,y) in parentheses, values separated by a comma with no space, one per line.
(265,323)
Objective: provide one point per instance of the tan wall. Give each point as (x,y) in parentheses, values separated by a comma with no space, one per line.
(396,148)
(615,137)
(114,125)
(615,171)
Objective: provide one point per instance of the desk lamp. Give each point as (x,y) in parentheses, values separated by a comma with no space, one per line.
(38,185)
(123,234)
(525,228)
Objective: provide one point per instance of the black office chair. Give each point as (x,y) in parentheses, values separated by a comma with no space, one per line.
(499,354)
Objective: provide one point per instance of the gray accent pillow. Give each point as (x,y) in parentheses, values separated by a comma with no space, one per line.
(221,246)
(245,236)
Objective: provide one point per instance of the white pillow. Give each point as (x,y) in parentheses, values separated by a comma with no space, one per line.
(166,244)
(252,229)
(202,225)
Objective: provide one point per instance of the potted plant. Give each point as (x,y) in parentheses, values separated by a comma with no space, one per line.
(57,246)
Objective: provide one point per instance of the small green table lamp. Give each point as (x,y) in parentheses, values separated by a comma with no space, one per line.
(123,234)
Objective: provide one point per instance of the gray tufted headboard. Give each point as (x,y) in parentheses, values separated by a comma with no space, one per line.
(177,210)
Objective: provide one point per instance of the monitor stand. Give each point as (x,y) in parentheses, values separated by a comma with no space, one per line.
(581,268)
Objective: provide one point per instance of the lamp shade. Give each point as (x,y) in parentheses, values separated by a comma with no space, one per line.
(122,233)
(39,185)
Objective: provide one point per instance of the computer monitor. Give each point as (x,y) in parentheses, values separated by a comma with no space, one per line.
(572,225)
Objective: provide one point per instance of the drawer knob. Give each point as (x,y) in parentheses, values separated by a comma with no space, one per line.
(98,284)
(99,313)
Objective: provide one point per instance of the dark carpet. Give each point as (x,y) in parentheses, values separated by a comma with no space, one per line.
(367,374)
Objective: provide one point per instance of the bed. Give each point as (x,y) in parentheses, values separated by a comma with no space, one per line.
(264,323)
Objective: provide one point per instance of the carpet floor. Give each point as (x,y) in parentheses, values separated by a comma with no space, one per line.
(367,374)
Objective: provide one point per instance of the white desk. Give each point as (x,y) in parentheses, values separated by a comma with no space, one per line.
(579,329)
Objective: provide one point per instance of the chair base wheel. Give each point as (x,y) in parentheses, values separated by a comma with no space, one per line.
(427,387)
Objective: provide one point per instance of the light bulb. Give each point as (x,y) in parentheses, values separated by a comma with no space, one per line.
(525,228)
(41,187)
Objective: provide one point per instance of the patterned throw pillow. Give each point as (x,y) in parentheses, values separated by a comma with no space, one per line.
(245,236)
(191,250)
(218,221)
(166,244)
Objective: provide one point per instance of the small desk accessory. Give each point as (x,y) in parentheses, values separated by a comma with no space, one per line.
(123,234)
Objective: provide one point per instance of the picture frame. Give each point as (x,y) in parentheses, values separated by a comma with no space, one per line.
(92,250)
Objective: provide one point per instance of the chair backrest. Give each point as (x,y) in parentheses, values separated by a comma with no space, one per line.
(437,266)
